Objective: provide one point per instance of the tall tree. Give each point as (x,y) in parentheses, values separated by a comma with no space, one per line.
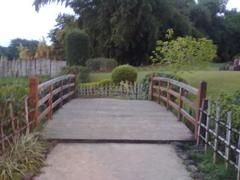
(64,24)
(13,52)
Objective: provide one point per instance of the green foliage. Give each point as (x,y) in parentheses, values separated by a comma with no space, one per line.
(101,64)
(76,47)
(124,73)
(229,102)
(210,170)
(146,80)
(98,83)
(25,156)
(127,29)
(13,52)
(80,71)
(184,51)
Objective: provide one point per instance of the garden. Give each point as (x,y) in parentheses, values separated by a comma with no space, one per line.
(116,59)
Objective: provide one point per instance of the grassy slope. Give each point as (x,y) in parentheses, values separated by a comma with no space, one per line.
(23,81)
(218,81)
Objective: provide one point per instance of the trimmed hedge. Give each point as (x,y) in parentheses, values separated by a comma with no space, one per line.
(124,73)
(81,72)
(101,64)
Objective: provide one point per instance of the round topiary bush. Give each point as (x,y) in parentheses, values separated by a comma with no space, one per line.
(124,73)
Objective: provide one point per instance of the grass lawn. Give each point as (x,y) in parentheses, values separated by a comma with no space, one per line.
(218,81)
(20,81)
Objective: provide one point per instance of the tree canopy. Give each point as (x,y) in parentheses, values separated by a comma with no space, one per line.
(127,30)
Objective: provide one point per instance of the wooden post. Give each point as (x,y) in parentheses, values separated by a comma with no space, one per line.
(2,131)
(202,120)
(168,95)
(26,115)
(207,126)
(215,147)
(202,94)
(33,99)
(228,137)
(151,88)
(238,160)
(180,104)
(159,92)
(50,113)
(61,93)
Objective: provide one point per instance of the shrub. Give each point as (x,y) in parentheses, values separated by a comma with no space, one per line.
(98,83)
(25,156)
(101,64)
(124,73)
(146,80)
(224,67)
(229,102)
(77,47)
(81,72)
(184,51)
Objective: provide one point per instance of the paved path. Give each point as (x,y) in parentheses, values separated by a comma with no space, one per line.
(112,119)
(113,162)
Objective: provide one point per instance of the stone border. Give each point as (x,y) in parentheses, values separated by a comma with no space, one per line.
(189,163)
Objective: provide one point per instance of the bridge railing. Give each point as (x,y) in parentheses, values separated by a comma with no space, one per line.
(46,97)
(183,99)
(40,103)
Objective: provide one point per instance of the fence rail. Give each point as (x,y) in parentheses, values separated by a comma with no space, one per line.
(42,100)
(184,99)
(217,133)
(122,90)
(31,67)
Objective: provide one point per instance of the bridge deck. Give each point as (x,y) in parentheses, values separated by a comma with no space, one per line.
(115,120)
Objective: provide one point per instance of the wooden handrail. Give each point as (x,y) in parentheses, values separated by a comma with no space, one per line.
(43,98)
(175,94)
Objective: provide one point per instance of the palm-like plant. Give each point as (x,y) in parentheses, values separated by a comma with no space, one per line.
(39,3)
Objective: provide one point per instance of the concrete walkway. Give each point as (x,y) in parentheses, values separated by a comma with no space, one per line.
(113,162)
(115,120)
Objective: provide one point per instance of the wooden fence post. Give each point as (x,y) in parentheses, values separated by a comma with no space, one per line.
(228,137)
(169,87)
(181,93)
(50,102)
(202,94)
(1,130)
(159,91)
(218,111)
(33,99)
(151,88)
(207,126)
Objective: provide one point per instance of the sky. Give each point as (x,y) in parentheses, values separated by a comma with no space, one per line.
(20,20)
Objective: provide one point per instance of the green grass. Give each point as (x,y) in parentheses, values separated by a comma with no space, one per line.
(218,81)
(20,81)
(213,171)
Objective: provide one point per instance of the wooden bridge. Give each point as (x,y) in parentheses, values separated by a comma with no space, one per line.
(106,119)
(175,111)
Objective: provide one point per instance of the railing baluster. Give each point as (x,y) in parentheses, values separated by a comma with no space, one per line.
(202,94)
(33,100)
(218,110)
(207,126)
(228,137)
(168,94)
(50,101)
(181,92)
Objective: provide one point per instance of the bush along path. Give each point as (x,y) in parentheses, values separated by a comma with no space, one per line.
(200,163)
(24,158)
